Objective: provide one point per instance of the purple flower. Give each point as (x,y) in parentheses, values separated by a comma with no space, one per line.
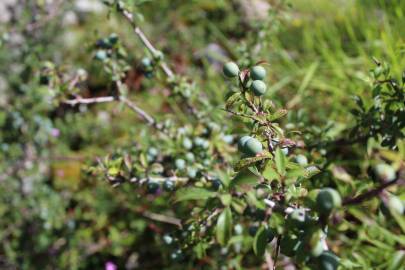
(55,132)
(110,266)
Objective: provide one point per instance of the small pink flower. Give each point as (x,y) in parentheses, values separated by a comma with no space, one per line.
(55,132)
(110,266)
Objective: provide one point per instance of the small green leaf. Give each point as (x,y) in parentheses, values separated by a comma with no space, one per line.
(270,172)
(232,99)
(246,162)
(193,193)
(280,161)
(224,226)
(277,115)
(311,171)
(244,178)
(260,241)
(226,199)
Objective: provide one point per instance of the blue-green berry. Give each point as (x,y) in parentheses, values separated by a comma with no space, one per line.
(191,172)
(216,184)
(385,172)
(167,239)
(302,160)
(258,88)
(180,164)
(187,143)
(153,151)
(253,147)
(101,55)
(327,200)
(169,185)
(113,38)
(257,73)
(190,157)
(231,70)
(328,261)
(152,186)
(242,143)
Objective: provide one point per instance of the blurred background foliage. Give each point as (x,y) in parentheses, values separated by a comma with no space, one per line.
(56,215)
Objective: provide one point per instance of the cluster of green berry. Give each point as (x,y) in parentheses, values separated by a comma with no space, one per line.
(104,47)
(256,75)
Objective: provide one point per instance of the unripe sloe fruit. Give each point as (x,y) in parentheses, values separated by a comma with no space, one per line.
(242,142)
(257,73)
(101,55)
(328,261)
(187,143)
(393,205)
(146,64)
(167,239)
(113,38)
(302,160)
(169,185)
(180,164)
(328,199)
(153,151)
(152,186)
(190,157)
(258,88)
(385,172)
(253,147)
(231,70)
(216,184)
(317,249)
(297,218)
(191,172)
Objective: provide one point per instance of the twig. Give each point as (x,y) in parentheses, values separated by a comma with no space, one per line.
(163,218)
(146,42)
(370,194)
(80,100)
(269,260)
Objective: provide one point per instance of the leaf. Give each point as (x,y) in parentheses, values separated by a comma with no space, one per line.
(260,241)
(280,161)
(226,199)
(232,99)
(193,193)
(246,162)
(270,172)
(224,227)
(311,171)
(277,115)
(244,178)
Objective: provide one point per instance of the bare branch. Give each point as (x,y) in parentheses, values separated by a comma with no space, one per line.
(163,218)
(80,100)
(169,73)
(371,193)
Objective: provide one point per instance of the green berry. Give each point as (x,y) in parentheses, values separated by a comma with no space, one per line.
(167,239)
(328,199)
(199,141)
(242,142)
(153,151)
(253,147)
(101,55)
(385,172)
(152,187)
(231,70)
(113,38)
(297,218)
(317,249)
(257,73)
(216,184)
(393,205)
(253,230)
(146,64)
(187,143)
(180,164)
(169,185)
(191,172)
(328,261)
(302,160)
(258,88)
(190,157)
